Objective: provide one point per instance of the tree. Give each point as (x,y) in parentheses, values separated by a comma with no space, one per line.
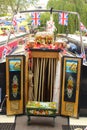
(14,5)
(70,5)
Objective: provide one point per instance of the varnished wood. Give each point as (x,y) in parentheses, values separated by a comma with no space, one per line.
(14,107)
(44,54)
(71,108)
(26,78)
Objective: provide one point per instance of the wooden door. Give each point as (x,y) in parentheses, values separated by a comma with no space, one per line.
(70,86)
(14,84)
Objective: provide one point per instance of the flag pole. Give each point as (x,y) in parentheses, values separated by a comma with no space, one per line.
(82,45)
(83,55)
(10,30)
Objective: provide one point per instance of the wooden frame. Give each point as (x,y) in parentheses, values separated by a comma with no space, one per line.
(14,84)
(70,86)
(52,55)
(26,78)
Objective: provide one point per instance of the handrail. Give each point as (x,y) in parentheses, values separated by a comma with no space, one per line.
(55,11)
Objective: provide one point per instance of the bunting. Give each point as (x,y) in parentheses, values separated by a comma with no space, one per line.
(82,27)
(6,51)
(14,21)
(35,18)
(63,18)
(83,55)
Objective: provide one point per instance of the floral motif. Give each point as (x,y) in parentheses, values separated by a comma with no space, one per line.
(15,86)
(70,87)
(41,108)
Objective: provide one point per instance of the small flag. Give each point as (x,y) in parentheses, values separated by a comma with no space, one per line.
(6,50)
(63,18)
(35,18)
(83,55)
(82,27)
(14,21)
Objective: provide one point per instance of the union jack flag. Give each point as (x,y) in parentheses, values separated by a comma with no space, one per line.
(83,56)
(35,18)
(63,18)
(6,50)
(82,27)
(14,21)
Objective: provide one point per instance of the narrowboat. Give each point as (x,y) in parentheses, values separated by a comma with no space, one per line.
(37,67)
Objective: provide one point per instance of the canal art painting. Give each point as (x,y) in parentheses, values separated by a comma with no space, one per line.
(15,65)
(15,86)
(70,80)
(15,83)
(15,79)
(70,86)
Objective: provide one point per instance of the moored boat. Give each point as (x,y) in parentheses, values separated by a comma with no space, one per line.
(44,64)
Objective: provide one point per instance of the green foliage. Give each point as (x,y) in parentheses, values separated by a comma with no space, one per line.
(70,5)
(44,18)
(15,5)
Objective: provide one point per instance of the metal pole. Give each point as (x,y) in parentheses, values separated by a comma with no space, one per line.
(10,30)
(82,45)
